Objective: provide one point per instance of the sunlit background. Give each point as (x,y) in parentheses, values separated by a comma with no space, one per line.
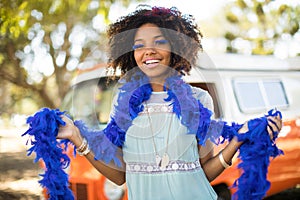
(45,43)
(49,42)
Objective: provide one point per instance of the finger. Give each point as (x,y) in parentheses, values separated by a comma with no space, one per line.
(272,129)
(276,121)
(270,132)
(67,120)
(274,126)
(279,121)
(244,128)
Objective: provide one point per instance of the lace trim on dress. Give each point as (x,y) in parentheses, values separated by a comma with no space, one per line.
(152,168)
(161,108)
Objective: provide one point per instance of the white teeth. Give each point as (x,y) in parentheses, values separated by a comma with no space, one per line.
(151,61)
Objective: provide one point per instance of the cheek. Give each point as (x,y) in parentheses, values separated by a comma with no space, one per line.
(138,58)
(168,58)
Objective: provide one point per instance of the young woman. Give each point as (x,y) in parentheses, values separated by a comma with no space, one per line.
(159,139)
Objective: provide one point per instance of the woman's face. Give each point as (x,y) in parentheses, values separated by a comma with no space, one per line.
(152,52)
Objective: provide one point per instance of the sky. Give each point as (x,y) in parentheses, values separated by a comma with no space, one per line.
(200,9)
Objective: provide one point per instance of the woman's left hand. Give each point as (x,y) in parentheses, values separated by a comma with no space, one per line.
(274,125)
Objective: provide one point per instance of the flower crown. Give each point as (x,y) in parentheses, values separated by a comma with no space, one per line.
(159,11)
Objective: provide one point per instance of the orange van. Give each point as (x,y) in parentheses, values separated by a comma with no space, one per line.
(243,87)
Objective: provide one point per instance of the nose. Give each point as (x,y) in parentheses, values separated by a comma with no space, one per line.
(150,49)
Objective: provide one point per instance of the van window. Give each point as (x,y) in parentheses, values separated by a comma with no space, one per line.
(259,95)
(211,89)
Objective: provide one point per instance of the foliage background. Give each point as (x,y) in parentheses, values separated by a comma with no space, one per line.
(43,43)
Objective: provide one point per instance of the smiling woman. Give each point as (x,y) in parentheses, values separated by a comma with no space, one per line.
(167,143)
(161,129)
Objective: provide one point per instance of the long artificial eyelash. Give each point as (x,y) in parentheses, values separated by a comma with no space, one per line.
(136,46)
(163,41)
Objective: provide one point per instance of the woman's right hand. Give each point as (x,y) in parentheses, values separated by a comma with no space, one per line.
(69,131)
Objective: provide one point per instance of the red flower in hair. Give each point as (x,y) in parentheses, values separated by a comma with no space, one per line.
(157,11)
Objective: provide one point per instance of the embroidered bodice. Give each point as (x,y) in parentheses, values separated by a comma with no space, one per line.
(143,174)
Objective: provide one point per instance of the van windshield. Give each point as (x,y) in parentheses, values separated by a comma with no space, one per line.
(90,101)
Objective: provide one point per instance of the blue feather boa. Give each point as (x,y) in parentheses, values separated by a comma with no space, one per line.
(254,153)
(43,129)
(255,156)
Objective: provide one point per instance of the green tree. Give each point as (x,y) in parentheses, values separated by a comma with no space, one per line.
(260,24)
(42,43)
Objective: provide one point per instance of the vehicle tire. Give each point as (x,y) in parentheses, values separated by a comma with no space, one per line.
(222,191)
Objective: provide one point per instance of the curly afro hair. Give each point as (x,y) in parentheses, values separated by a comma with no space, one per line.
(181,31)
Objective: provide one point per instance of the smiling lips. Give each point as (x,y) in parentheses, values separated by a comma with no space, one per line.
(151,63)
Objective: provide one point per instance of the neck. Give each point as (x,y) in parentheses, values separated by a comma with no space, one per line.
(158,82)
(157,87)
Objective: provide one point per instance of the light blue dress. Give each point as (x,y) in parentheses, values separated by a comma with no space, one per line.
(183,177)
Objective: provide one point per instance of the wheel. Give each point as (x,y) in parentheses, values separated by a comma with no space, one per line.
(222,191)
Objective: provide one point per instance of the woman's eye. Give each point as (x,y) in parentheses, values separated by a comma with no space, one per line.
(156,43)
(160,42)
(137,46)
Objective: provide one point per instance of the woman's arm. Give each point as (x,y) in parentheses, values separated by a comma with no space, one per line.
(212,165)
(110,171)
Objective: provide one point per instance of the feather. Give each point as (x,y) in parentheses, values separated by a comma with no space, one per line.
(43,129)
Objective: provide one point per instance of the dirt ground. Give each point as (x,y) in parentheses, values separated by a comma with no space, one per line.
(19,175)
(18,179)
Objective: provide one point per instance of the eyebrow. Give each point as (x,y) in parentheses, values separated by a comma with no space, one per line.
(155,37)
